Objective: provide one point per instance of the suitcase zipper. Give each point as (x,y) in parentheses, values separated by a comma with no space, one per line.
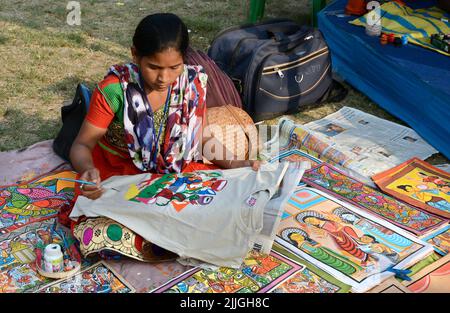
(302,93)
(296,63)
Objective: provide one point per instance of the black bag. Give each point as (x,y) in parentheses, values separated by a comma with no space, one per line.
(277,66)
(72,117)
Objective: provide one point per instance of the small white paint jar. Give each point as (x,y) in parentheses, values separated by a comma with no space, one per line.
(53,258)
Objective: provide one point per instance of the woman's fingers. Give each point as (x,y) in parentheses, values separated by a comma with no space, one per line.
(256,165)
(91,191)
(92,175)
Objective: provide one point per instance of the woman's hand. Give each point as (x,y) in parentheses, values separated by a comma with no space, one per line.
(90,191)
(255,164)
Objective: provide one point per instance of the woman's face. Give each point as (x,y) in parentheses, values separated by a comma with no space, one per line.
(297,238)
(312,221)
(161,69)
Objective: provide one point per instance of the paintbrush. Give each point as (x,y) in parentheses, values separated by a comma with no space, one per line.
(85,182)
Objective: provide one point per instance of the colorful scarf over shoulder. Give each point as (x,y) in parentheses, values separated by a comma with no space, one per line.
(186,111)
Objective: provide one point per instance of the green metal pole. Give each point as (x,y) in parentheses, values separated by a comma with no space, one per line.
(256,11)
(317,5)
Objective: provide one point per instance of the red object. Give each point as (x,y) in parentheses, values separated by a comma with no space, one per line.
(384,39)
(356,7)
(391,38)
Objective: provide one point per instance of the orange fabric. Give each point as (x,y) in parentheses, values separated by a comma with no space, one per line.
(113,165)
(356,7)
(110,164)
(99,113)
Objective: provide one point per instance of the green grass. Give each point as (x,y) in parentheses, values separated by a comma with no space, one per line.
(43,58)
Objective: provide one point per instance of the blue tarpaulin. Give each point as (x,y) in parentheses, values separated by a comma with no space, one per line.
(410,82)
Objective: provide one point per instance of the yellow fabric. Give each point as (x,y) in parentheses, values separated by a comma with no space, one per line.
(418,24)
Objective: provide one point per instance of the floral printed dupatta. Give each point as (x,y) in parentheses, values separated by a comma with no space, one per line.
(186,111)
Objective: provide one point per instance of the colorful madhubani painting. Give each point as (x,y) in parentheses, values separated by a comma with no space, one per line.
(440,239)
(328,178)
(258,273)
(18,272)
(433,279)
(179,190)
(418,183)
(99,278)
(35,200)
(356,247)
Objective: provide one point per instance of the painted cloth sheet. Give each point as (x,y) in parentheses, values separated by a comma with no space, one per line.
(354,246)
(373,144)
(179,212)
(331,180)
(418,25)
(105,236)
(418,183)
(409,82)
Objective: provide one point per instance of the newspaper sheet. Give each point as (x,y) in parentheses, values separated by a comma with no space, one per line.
(373,144)
(275,207)
(445,167)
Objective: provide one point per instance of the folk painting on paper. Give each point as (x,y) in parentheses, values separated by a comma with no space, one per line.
(356,247)
(258,273)
(432,279)
(35,200)
(326,177)
(418,183)
(98,278)
(18,272)
(440,239)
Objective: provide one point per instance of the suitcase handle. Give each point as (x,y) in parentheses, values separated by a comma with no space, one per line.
(292,41)
(278,36)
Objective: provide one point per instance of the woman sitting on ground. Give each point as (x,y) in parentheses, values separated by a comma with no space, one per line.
(146,116)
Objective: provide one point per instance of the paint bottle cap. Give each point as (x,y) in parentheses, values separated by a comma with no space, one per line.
(53,250)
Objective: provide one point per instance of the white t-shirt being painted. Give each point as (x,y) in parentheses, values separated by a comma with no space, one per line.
(213,216)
